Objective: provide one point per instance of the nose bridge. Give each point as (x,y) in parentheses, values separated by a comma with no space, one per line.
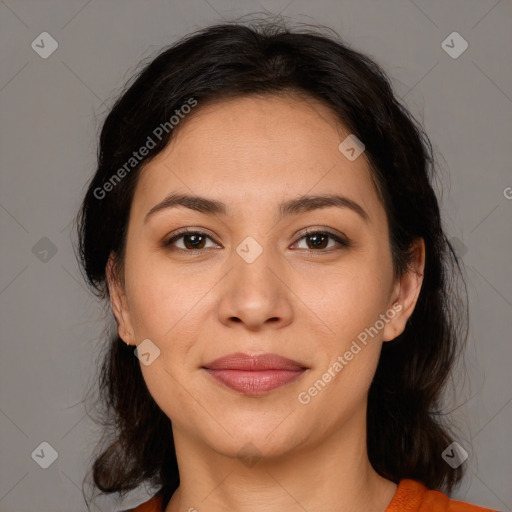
(252,293)
(253,280)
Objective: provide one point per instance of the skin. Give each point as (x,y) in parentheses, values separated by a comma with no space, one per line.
(295,300)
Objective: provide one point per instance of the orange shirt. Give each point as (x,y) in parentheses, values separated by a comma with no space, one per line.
(411,496)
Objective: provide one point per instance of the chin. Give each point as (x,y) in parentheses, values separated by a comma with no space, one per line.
(256,438)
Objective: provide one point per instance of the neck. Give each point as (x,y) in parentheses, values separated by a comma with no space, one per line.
(333,476)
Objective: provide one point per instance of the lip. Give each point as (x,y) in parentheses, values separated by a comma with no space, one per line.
(254,375)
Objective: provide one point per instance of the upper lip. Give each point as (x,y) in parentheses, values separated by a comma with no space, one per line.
(246,362)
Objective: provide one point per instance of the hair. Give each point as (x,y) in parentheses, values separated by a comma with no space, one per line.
(406,430)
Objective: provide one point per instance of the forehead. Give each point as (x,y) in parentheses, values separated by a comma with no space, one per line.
(237,127)
(257,148)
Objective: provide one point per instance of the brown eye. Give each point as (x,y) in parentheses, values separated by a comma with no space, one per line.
(191,240)
(319,240)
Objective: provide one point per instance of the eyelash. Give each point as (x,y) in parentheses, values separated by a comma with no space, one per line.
(342,241)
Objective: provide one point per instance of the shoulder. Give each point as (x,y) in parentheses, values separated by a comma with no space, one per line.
(413,496)
(153,505)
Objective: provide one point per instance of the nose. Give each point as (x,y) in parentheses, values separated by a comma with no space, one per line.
(255,295)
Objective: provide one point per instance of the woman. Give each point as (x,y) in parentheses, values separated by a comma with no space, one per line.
(263,223)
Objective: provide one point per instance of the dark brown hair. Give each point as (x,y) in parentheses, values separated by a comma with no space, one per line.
(406,433)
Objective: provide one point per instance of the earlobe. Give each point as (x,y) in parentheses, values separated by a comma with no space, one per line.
(394,327)
(406,293)
(118,301)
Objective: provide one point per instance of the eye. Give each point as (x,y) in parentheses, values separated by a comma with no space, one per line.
(191,240)
(319,240)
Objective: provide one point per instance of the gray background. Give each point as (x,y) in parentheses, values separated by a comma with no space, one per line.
(51,110)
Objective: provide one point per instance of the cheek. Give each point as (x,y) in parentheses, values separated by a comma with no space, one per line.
(162,309)
(156,300)
(347,359)
(168,308)
(354,299)
(352,305)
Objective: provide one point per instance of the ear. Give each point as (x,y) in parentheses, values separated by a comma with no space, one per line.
(406,293)
(119,303)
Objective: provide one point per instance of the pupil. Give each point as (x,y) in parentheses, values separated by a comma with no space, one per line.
(317,237)
(194,240)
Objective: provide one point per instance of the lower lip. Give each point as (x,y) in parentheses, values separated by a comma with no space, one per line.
(254,382)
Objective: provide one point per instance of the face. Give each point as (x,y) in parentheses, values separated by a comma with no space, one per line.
(260,274)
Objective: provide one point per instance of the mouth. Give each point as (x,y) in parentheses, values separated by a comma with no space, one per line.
(254,375)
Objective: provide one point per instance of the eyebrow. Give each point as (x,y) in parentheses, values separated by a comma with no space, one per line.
(291,207)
